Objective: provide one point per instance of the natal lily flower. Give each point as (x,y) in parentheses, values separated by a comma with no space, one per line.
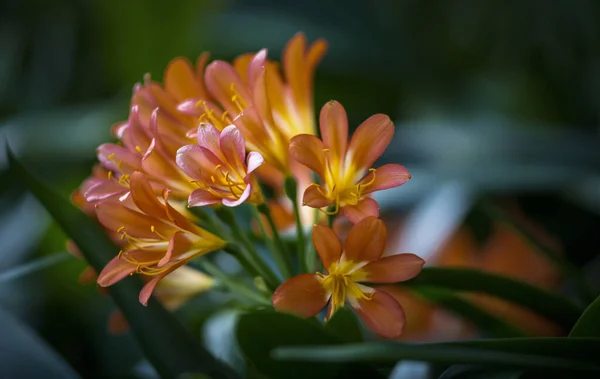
(345,168)
(357,261)
(158,238)
(220,169)
(268,111)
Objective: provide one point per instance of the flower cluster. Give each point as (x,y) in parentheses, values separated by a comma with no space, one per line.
(212,137)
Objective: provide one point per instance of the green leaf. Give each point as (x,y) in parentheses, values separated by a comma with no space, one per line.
(345,326)
(546,354)
(588,324)
(475,372)
(164,341)
(553,307)
(34,266)
(483,320)
(260,332)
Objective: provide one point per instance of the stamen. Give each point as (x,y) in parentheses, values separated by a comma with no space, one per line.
(138,149)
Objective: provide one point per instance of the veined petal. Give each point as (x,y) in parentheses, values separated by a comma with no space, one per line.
(118,159)
(308,150)
(382,314)
(369,141)
(232,144)
(366,240)
(243,197)
(114,216)
(314,198)
(334,130)
(201,198)
(197,162)
(387,176)
(104,189)
(253,161)
(144,197)
(393,269)
(180,80)
(327,244)
(226,86)
(365,208)
(208,137)
(114,271)
(178,244)
(302,295)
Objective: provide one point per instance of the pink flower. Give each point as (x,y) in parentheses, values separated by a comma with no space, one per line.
(220,169)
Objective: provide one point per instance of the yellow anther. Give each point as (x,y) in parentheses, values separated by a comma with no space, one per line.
(152,228)
(111,156)
(224,116)
(213,179)
(138,149)
(110,175)
(120,229)
(326,150)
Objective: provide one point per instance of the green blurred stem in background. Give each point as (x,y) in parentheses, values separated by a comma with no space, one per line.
(281,255)
(291,191)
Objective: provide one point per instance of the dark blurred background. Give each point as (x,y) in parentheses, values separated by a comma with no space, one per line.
(497,100)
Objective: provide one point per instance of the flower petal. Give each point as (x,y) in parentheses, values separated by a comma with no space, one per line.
(208,137)
(393,269)
(178,244)
(190,107)
(104,189)
(314,198)
(197,162)
(144,197)
(118,159)
(327,244)
(302,295)
(114,271)
(243,197)
(365,208)
(232,145)
(253,161)
(180,80)
(387,176)
(201,198)
(366,240)
(369,141)
(334,130)
(114,216)
(226,86)
(308,150)
(382,314)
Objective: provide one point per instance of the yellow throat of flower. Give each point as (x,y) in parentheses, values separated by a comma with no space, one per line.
(341,283)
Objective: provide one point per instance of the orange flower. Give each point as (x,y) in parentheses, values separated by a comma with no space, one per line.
(357,261)
(268,111)
(158,238)
(220,169)
(345,168)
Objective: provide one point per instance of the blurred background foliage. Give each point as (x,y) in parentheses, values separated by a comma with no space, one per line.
(495,99)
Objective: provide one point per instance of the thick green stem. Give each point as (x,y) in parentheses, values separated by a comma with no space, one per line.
(280,254)
(233,286)
(248,257)
(311,255)
(291,190)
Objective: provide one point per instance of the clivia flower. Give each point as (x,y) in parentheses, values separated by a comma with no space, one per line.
(158,238)
(345,168)
(358,261)
(220,169)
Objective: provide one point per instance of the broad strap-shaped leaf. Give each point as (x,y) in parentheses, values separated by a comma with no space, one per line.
(260,332)
(554,307)
(569,355)
(482,319)
(164,341)
(345,325)
(588,324)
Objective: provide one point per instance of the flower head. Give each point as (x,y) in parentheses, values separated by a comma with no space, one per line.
(346,168)
(358,260)
(158,239)
(219,167)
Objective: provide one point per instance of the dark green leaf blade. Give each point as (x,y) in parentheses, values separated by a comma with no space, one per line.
(345,326)
(483,320)
(164,341)
(555,308)
(588,324)
(545,354)
(260,332)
